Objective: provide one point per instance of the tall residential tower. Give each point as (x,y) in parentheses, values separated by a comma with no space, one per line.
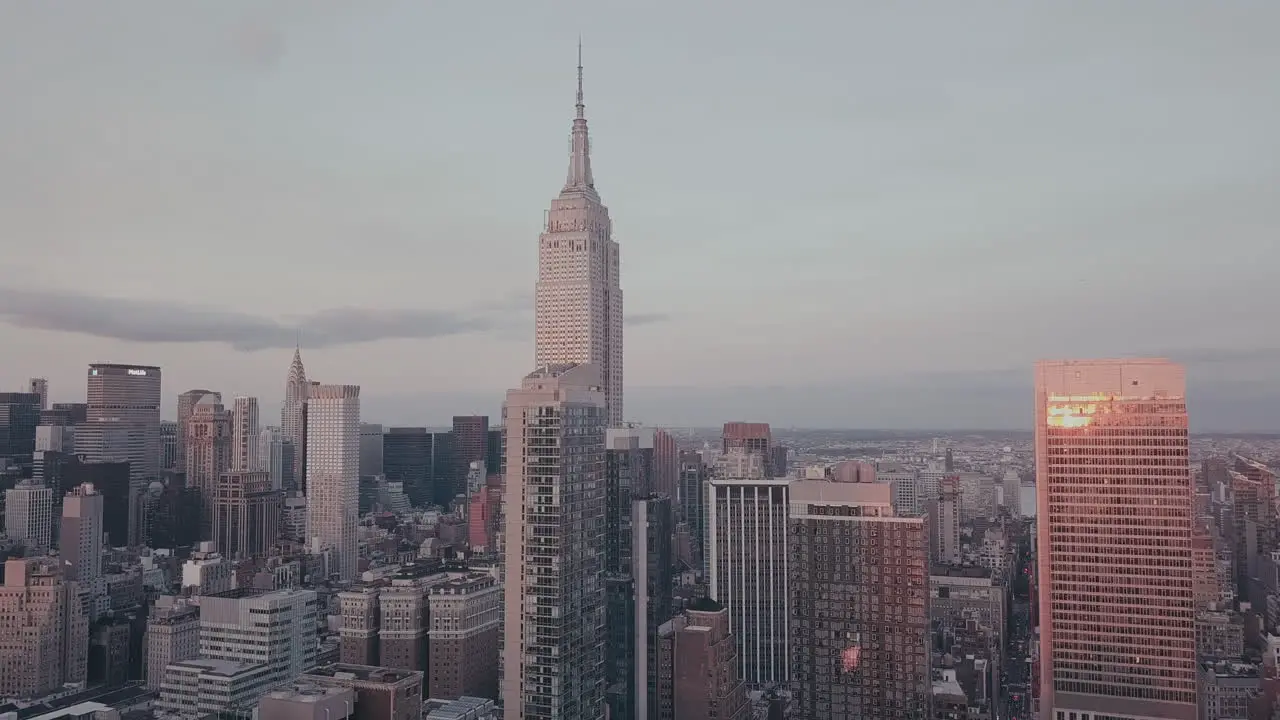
(244,434)
(578,301)
(1113,484)
(552,659)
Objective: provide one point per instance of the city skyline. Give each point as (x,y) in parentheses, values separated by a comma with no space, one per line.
(941,195)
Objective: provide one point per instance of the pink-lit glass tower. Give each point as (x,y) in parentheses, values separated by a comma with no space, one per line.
(578,299)
(1113,487)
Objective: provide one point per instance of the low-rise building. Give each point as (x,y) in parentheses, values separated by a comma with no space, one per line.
(1227,690)
(194,688)
(381,693)
(1220,635)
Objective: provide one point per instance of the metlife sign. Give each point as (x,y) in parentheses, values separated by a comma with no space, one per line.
(135,371)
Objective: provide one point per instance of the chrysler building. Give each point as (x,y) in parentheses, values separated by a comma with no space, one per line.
(579,295)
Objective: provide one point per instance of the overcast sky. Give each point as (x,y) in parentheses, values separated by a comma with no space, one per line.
(831,213)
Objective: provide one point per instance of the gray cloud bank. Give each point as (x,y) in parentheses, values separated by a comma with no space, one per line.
(149,321)
(152,321)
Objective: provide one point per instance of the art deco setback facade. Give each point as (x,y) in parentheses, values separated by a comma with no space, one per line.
(1113,485)
(859,591)
(293,423)
(44,633)
(578,296)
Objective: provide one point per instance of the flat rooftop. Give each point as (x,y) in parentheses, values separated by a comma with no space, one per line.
(960,571)
(365,673)
(842,493)
(240,593)
(221,668)
(471,581)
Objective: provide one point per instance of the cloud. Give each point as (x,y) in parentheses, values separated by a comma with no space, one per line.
(646,318)
(259,44)
(165,322)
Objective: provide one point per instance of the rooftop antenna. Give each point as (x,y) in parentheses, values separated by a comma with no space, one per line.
(582,113)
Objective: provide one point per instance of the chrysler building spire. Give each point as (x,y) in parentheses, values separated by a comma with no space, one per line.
(580,179)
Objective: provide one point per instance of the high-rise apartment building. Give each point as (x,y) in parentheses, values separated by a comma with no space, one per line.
(747,562)
(553,647)
(246,515)
(244,434)
(578,297)
(333,473)
(80,536)
(208,452)
(46,634)
(186,404)
(28,516)
(698,670)
(858,580)
(123,424)
(293,423)
(1113,485)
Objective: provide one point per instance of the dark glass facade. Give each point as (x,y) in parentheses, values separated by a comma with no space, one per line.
(444,469)
(638,577)
(470,444)
(19,416)
(407,454)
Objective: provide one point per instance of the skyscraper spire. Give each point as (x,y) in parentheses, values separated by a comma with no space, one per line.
(579,146)
(582,109)
(579,315)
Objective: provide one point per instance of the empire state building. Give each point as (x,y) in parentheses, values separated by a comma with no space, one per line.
(578,299)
